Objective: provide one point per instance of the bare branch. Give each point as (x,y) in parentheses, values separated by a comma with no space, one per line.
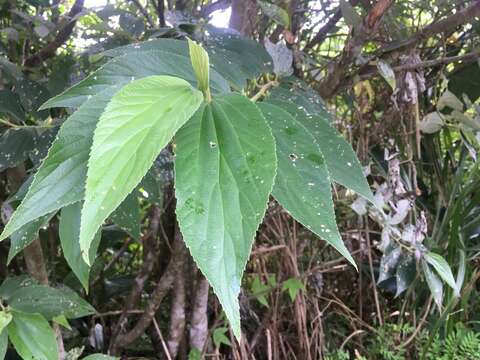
(459,18)
(373,71)
(149,260)
(199,321)
(330,84)
(177,312)
(321,35)
(160,7)
(62,36)
(144,12)
(163,286)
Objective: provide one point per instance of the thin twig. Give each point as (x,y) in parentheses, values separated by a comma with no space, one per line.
(164,345)
(263,90)
(144,12)
(419,327)
(372,274)
(60,38)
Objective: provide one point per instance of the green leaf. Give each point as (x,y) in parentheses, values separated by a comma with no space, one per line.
(137,124)
(297,92)
(5,318)
(50,302)
(62,320)
(340,159)
(10,104)
(177,47)
(3,343)
(99,357)
(449,100)
(195,354)
(431,123)
(11,284)
(387,73)
(60,179)
(132,24)
(302,185)
(24,236)
(254,60)
(293,286)
(225,62)
(434,284)
(465,79)
(32,94)
(389,262)
(405,274)
(224,170)
(275,12)
(219,337)
(201,67)
(69,231)
(128,68)
(260,290)
(443,269)
(153,183)
(15,145)
(127,215)
(32,336)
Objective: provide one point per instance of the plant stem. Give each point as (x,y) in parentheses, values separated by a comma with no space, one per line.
(263,90)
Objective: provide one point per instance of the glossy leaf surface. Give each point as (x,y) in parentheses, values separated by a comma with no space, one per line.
(224,167)
(137,124)
(302,185)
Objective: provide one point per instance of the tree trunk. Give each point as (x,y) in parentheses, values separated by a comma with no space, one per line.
(243,16)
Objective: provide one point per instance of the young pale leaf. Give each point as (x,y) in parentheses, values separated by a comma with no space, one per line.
(3,343)
(50,302)
(5,318)
(224,171)
(69,231)
(302,185)
(32,336)
(60,179)
(201,67)
(130,67)
(137,124)
(461,269)
(62,320)
(443,270)
(340,159)
(434,284)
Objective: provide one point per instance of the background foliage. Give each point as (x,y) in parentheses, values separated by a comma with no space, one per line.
(401,81)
